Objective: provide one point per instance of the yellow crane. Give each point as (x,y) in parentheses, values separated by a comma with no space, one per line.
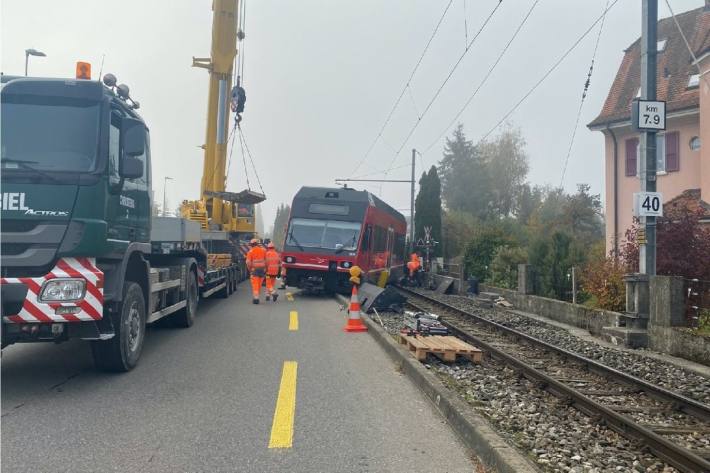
(218,209)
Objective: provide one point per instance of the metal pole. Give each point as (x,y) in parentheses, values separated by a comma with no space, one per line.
(27,58)
(647,174)
(165,188)
(411,210)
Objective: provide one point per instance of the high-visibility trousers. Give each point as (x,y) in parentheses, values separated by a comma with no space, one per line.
(256,285)
(270,284)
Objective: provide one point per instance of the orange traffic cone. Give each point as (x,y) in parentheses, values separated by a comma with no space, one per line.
(354,321)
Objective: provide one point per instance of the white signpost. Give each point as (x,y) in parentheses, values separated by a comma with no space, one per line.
(649,115)
(648,204)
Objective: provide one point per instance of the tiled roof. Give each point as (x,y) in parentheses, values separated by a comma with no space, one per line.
(689,200)
(675,66)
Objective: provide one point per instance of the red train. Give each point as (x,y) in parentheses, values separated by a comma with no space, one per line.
(332,229)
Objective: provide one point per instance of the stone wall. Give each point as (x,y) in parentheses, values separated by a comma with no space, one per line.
(571,314)
(680,342)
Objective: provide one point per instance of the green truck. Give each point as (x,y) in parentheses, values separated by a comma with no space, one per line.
(82,257)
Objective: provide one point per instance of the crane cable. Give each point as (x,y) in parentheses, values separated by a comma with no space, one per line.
(243,139)
(584,95)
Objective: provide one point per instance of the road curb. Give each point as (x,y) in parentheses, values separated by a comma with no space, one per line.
(472,428)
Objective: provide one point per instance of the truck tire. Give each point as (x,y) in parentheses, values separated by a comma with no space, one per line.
(121,353)
(185,317)
(230,283)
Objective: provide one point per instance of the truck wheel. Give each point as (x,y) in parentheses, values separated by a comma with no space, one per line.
(185,317)
(121,353)
(230,283)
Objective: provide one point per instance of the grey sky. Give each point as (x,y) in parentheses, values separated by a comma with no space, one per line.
(321,77)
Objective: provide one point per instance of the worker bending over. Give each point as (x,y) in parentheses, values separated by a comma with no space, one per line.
(413,266)
(273,264)
(256,264)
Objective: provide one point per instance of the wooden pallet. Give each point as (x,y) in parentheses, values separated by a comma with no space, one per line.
(444,347)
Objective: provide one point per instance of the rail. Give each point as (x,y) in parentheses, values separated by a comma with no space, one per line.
(681,458)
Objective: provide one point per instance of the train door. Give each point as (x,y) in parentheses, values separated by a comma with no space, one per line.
(390,247)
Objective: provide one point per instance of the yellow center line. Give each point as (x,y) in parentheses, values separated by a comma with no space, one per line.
(293,321)
(289,297)
(282,427)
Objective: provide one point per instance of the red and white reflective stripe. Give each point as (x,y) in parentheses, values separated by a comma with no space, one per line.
(90,307)
(200,276)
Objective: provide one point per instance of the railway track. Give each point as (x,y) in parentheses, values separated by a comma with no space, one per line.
(674,428)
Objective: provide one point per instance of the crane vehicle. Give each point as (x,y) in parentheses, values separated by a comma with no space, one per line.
(331,230)
(81,256)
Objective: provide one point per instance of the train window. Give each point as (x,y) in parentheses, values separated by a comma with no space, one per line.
(366,239)
(329,209)
(329,234)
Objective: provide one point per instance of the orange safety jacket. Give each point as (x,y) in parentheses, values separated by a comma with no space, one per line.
(273,262)
(256,260)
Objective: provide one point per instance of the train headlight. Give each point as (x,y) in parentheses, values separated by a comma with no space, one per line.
(346,264)
(290,259)
(63,290)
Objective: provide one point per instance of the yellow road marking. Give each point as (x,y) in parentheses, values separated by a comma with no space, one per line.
(282,427)
(293,321)
(289,296)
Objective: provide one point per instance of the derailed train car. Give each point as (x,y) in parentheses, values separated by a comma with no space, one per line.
(332,229)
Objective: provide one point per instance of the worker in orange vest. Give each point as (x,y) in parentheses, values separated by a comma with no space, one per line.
(256,264)
(273,264)
(413,266)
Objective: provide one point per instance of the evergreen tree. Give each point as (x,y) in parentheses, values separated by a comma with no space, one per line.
(280,223)
(427,207)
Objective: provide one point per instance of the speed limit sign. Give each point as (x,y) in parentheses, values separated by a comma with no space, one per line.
(648,204)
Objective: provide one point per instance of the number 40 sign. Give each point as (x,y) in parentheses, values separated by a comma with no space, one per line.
(648,204)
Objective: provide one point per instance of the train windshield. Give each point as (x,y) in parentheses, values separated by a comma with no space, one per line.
(328,234)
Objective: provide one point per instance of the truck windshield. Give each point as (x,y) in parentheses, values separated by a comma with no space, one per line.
(329,234)
(49,133)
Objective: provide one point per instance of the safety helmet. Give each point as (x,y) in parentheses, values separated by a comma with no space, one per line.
(270,245)
(254,242)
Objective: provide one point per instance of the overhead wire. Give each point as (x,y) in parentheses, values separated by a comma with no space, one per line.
(549,71)
(485,78)
(404,89)
(446,80)
(584,96)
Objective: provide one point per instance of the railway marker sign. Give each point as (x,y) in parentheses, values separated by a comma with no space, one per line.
(649,115)
(648,204)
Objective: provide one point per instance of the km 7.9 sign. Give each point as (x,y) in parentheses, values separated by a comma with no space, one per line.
(649,115)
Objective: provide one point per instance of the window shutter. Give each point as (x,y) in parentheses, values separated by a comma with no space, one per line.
(672,152)
(631,145)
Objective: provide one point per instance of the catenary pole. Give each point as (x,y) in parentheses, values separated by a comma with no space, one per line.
(411,209)
(647,165)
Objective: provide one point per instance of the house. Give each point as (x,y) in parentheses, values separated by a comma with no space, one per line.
(683,155)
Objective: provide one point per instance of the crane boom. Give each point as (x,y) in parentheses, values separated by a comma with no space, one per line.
(217,209)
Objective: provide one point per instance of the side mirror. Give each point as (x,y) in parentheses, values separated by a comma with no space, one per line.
(133,136)
(131,167)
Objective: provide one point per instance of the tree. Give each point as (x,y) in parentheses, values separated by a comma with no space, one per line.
(464,177)
(553,256)
(504,266)
(457,229)
(529,201)
(428,208)
(280,223)
(481,249)
(485,180)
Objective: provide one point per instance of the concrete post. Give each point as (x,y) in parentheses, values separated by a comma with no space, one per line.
(637,299)
(667,302)
(526,279)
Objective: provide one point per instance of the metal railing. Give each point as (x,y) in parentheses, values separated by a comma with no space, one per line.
(697,303)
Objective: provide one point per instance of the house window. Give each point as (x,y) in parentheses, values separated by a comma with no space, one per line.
(638,93)
(667,154)
(694,143)
(661,45)
(694,81)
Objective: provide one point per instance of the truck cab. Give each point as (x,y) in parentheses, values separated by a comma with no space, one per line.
(76,208)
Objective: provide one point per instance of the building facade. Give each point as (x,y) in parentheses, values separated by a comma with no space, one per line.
(683,149)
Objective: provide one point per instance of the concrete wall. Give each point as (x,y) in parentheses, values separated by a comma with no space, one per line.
(576,315)
(666,332)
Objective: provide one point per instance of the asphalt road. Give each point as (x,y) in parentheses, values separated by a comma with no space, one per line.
(203,399)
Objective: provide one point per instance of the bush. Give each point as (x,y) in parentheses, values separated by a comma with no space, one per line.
(480,250)
(504,266)
(603,278)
